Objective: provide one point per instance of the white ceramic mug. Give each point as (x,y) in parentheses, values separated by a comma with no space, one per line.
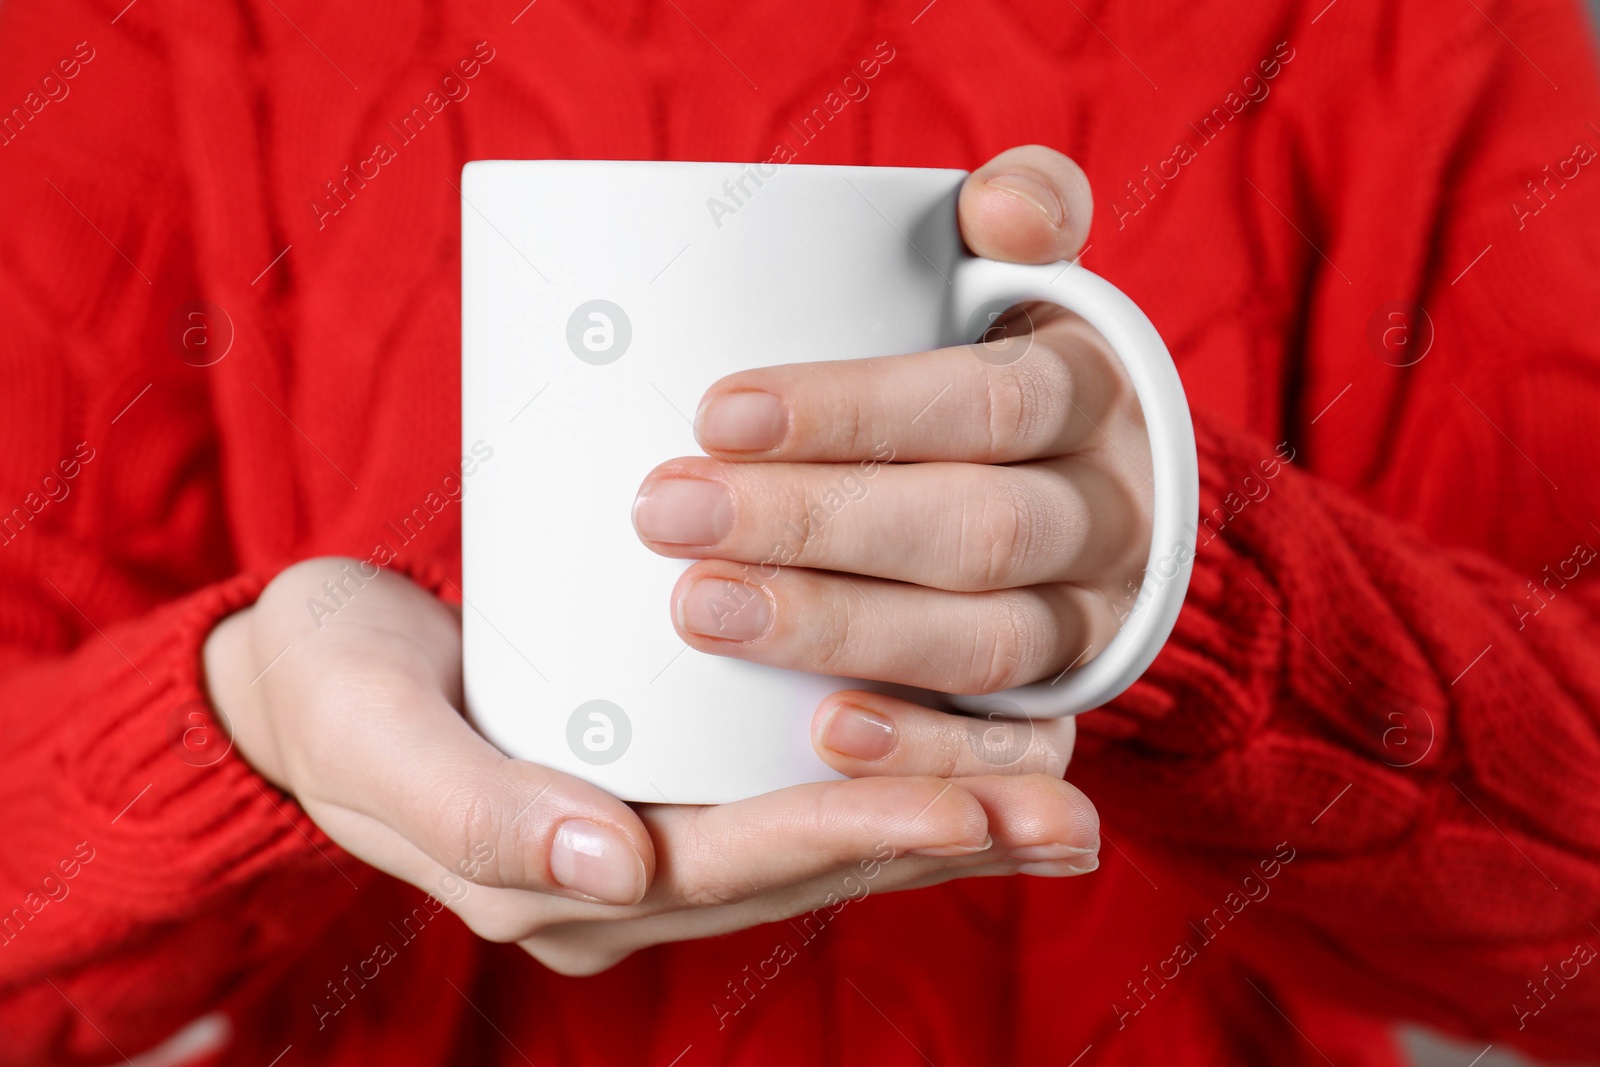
(599,301)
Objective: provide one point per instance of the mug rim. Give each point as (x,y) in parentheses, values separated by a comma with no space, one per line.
(685,164)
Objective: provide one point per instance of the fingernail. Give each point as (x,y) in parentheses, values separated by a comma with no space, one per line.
(1035,192)
(743,422)
(684,511)
(1050,852)
(955,850)
(858,733)
(732,611)
(598,862)
(1060,868)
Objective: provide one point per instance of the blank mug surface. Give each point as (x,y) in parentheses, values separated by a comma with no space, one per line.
(599,301)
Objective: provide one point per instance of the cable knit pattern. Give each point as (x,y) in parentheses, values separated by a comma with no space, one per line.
(1377,691)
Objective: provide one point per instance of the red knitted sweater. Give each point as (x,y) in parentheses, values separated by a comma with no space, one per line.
(1362,782)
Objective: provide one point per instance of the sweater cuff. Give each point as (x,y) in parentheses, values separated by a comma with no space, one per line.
(145,775)
(171,811)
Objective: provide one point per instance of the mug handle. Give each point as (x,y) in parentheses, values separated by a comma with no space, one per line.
(1176,472)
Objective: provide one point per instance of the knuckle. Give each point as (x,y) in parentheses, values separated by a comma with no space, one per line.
(828,810)
(1054,379)
(1005,744)
(1010,408)
(1019,405)
(472,823)
(852,429)
(837,623)
(1024,395)
(805,527)
(950,746)
(997,537)
(951,813)
(704,876)
(713,889)
(1004,646)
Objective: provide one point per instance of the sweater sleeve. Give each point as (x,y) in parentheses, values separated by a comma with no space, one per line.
(1387,658)
(140,851)
(1387,708)
(147,874)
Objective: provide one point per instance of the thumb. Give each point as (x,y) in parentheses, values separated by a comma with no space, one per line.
(1026,205)
(500,822)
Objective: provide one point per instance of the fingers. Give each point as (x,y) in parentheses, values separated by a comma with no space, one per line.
(864,733)
(889,631)
(730,852)
(1026,205)
(960,526)
(861,733)
(948,404)
(1038,825)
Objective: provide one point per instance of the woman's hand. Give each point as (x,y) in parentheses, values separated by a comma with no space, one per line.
(964,520)
(357,714)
